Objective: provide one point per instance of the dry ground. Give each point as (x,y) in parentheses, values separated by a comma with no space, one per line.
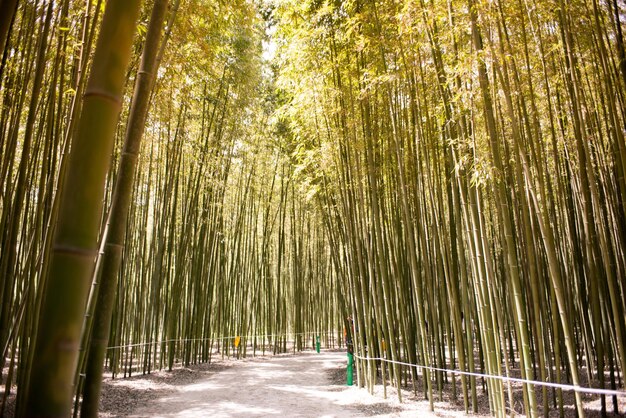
(297,385)
(302,385)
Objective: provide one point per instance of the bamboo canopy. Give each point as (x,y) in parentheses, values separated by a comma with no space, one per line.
(443,180)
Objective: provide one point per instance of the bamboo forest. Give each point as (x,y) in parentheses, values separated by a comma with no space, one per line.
(438,186)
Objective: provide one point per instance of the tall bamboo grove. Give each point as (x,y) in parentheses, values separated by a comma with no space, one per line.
(468,162)
(450,175)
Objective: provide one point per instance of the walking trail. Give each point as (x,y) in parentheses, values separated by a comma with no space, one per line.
(302,385)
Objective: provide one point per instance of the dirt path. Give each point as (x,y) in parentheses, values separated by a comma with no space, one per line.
(289,386)
(283,385)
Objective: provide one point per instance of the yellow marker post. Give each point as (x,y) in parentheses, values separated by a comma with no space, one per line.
(237,341)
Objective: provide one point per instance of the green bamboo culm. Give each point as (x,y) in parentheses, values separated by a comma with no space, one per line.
(7,11)
(49,393)
(116,225)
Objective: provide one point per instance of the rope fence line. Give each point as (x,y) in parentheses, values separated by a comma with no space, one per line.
(575,388)
(243,337)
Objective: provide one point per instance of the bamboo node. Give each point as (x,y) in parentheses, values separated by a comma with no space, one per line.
(103,94)
(77,251)
(130,154)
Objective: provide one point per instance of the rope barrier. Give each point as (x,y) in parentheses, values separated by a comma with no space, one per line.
(575,388)
(216,339)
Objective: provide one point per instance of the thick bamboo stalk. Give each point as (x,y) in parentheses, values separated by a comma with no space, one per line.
(50,389)
(116,224)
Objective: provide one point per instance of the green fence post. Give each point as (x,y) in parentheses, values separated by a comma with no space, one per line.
(350,363)
(317,343)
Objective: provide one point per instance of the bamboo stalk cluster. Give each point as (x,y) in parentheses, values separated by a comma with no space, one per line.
(468,159)
(444,180)
(202,229)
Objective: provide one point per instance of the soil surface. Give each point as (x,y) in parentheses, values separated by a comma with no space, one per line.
(306,384)
(303,385)
(298,385)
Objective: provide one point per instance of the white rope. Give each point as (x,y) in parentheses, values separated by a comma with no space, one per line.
(575,388)
(247,337)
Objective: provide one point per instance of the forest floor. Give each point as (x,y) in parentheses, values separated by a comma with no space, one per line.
(306,384)
(292,385)
(302,385)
